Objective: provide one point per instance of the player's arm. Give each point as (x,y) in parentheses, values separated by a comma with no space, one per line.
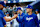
(36,20)
(4,22)
(7,19)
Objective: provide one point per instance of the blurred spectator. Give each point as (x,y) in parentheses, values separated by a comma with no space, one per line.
(14,7)
(4,10)
(10,11)
(22,7)
(8,8)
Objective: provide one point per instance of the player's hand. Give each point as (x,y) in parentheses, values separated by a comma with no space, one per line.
(15,16)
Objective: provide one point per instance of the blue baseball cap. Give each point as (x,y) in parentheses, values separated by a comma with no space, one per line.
(29,6)
(2,3)
(18,8)
(36,10)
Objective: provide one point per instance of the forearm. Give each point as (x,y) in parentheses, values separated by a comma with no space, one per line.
(7,19)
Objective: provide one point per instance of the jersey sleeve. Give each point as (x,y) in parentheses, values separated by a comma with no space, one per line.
(4,22)
(2,13)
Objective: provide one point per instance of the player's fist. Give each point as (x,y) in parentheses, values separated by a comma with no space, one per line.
(15,16)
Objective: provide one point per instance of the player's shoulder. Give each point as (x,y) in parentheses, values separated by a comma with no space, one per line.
(1,11)
(26,15)
(34,14)
(0,15)
(23,13)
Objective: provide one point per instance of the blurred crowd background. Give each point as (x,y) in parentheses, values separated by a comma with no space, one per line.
(12,5)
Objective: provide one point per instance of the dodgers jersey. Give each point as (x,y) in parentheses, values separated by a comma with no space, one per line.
(2,21)
(30,20)
(19,19)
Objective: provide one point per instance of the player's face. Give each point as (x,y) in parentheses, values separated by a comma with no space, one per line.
(36,12)
(28,10)
(19,11)
(7,14)
(1,6)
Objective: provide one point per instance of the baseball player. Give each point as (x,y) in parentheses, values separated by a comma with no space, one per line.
(2,16)
(1,12)
(30,19)
(20,15)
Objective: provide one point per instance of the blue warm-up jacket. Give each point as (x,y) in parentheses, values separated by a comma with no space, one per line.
(19,19)
(30,20)
(2,21)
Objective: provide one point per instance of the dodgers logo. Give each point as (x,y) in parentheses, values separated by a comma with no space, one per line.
(30,18)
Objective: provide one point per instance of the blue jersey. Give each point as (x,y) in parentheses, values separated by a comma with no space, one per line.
(30,20)
(1,12)
(2,21)
(19,19)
